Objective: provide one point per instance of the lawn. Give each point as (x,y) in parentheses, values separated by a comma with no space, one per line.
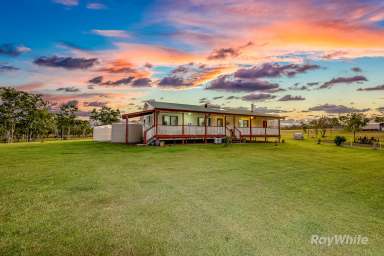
(86,198)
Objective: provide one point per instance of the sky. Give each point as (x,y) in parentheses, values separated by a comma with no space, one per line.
(301,59)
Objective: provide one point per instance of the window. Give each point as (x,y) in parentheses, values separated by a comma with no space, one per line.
(174,120)
(170,120)
(220,122)
(243,123)
(200,121)
(166,120)
(209,123)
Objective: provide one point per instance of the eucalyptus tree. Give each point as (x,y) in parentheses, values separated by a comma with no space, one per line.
(105,115)
(354,122)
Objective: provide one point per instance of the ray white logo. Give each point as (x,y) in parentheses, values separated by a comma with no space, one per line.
(339,240)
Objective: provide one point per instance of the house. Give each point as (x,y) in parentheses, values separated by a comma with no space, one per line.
(163,121)
(373,126)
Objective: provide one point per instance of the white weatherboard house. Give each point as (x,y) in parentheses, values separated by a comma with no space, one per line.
(162,121)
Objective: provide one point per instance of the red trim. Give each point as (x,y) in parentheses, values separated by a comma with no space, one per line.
(258,136)
(137,114)
(210,136)
(168,136)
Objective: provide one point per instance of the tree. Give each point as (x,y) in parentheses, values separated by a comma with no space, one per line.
(323,123)
(305,128)
(10,111)
(105,115)
(354,122)
(66,117)
(379,119)
(334,122)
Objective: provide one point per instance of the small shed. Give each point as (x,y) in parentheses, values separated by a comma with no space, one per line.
(102,133)
(135,134)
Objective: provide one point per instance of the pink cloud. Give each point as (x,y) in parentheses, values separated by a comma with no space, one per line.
(111,33)
(96,6)
(67,2)
(29,87)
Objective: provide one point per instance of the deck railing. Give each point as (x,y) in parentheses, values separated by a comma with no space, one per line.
(258,131)
(189,130)
(215,130)
(149,134)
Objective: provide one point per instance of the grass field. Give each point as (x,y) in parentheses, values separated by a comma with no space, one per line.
(330,135)
(86,198)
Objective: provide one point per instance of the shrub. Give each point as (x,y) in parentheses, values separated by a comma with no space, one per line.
(339,140)
(227,141)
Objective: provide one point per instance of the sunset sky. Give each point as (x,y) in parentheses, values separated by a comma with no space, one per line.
(297,58)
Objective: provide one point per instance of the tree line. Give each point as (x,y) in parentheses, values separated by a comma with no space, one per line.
(28,117)
(352,122)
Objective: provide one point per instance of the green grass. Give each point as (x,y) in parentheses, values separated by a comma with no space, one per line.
(86,198)
(330,134)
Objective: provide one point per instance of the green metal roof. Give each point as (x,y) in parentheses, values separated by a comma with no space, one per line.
(206,109)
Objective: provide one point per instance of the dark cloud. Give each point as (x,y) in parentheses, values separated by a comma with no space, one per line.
(66,62)
(291,98)
(258,97)
(273,70)
(7,68)
(96,80)
(122,81)
(148,65)
(172,81)
(217,97)
(380,109)
(335,55)
(94,104)
(118,70)
(232,97)
(312,83)
(180,69)
(263,110)
(74,46)
(266,110)
(331,108)
(13,50)
(223,83)
(68,89)
(203,100)
(223,53)
(141,82)
(229,52)
(298,88)
(356,69)
(343,80)
(375,88)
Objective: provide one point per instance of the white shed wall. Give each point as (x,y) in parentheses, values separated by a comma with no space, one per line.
(102,133)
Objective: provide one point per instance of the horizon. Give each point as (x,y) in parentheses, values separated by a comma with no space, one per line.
(301,59)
